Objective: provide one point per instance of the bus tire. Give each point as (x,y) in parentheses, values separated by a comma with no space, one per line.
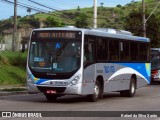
(51,98)
(97,93)
(132,89)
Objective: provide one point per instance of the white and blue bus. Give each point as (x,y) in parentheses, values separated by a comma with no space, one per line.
(91,62)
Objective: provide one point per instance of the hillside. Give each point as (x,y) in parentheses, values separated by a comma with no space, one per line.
(113,17)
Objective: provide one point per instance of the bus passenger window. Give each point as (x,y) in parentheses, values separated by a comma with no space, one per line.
(124,51)
(88,51)
(143,54)
(114,50)
(134,51)
(102,46)
(87,54)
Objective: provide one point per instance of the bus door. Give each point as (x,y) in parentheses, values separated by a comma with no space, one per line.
(89,66)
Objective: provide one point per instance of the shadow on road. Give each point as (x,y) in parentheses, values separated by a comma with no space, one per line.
(40,98)
(155,83)
(77,99)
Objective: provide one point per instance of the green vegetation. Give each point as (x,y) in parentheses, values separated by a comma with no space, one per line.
(134,24)
(12,66)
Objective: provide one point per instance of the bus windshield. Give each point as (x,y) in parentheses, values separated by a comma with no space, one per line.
(155,62)
(54,56)
(155,59)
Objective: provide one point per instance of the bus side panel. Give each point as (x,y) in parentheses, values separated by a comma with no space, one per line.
(118,75)
(119,82)
(141,82)
(88,80)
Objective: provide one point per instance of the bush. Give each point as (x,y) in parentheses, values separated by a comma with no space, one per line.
(12,66)
(13,58)
(4,60)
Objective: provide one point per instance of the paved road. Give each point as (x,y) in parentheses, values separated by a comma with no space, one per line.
(146,99)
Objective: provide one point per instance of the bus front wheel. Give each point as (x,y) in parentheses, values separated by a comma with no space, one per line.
(132,89)
(97,92)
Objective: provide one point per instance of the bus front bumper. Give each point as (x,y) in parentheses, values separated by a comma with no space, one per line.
(33,88)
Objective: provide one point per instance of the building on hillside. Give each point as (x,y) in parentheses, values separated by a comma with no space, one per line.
(22,38)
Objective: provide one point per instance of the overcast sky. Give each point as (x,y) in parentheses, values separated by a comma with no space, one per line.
(7,9)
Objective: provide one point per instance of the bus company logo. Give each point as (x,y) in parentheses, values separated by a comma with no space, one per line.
(6,114)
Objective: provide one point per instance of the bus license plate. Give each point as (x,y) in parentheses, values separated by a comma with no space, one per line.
(51,91)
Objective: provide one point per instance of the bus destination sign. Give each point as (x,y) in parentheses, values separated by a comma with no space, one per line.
(69,35)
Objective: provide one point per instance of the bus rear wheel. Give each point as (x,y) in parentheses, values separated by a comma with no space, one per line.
(51,98)
(97,93)
(132,89)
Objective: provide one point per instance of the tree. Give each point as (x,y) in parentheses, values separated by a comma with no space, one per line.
(81,20)
(134,24)
(101,4)
(34,22)
(51,22)
(29,10)
(153,30)
(6,24)
(119,6)
(31,21)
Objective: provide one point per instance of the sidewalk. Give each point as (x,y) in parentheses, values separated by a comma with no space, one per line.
(6,90)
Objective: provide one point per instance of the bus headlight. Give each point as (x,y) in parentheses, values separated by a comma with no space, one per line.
(75,80)
(30,80)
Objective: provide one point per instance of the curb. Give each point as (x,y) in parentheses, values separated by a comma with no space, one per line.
(6,93)
(4,90)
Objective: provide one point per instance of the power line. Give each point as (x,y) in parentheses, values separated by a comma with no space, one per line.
(152,12)
(25,6)
(33,8)
(70,17)
(42,5)
(46,6)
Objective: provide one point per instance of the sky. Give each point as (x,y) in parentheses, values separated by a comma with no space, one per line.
(7,10)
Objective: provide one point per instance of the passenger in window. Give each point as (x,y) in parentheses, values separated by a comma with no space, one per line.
(100,50)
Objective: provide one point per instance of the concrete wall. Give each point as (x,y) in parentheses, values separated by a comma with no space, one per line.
(2,46)
(8,41)
(21,33)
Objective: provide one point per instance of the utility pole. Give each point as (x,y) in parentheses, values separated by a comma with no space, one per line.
(144,19)
(1,42)
(15,26)
(133,4)
(95,14)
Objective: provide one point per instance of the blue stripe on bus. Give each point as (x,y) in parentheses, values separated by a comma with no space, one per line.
(143,68)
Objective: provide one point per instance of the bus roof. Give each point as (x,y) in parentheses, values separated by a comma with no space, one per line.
(103,32)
